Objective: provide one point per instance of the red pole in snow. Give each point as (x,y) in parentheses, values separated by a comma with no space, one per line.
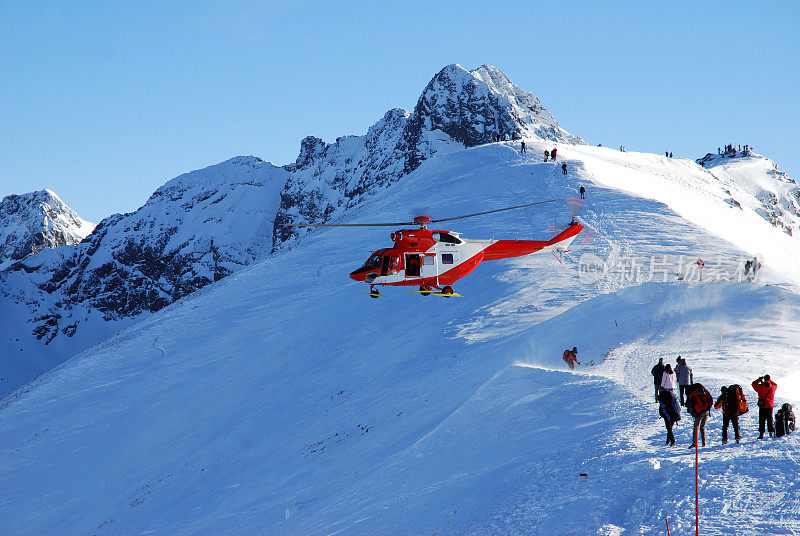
(667,520)
(696,485)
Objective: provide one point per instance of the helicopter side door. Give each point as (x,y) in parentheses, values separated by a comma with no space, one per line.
(413,265)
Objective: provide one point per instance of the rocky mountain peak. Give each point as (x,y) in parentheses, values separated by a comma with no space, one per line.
(480,106)
(32,222)
(457,109)
(311,148)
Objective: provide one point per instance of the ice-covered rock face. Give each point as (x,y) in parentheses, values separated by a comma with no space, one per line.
(754,181)
(194,230)
(457,109)
(477,107)
(32,222)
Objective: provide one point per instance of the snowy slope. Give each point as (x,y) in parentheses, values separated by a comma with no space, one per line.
(281,401)
(194,230)
(35,221)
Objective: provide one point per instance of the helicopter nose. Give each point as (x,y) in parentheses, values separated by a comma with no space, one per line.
(357,275)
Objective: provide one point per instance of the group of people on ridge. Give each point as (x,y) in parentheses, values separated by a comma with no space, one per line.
(730,150)
(551,155)
(699,402)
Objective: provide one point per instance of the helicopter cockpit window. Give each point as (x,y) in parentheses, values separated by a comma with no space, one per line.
(448,238)
(373,262)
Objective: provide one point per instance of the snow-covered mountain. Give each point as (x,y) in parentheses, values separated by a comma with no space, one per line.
(755,180)
(30,223)
(457,109)
(194,230)
(280,400)
(206,224)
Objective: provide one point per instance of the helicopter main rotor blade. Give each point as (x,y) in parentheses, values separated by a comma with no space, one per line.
(404,223)
(497,210)
(344,224)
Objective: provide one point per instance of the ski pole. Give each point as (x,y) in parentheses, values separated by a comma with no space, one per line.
(696,484)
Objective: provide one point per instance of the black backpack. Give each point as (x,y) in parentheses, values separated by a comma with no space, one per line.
(736,404)
(668,406)
(784,420)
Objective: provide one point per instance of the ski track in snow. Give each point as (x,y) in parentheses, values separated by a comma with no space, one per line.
(292,405)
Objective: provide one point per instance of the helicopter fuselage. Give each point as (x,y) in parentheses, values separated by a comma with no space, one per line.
(431,259)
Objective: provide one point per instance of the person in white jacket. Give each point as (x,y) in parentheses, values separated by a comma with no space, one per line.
(668,380)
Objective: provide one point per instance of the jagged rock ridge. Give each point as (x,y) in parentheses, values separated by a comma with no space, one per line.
(457,109)
(194,230)
(32,222)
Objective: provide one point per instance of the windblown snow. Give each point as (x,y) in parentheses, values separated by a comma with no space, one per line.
(280,400)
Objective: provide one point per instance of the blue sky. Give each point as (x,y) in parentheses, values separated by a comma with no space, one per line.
(105,101)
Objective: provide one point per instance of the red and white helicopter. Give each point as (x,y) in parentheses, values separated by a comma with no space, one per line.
(434,260)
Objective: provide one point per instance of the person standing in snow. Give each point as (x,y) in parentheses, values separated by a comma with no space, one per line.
(765,388)
(669,410)
(685,378)
(699,404)
(666,153)
(546,155)
(564,168)
(657,372)
(523,146)
(730,412)
(670,154)
(668,380)
(583,192)
(553,154)
(571,357)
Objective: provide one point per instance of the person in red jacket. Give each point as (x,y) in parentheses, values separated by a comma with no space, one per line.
(571,357)
(766,401)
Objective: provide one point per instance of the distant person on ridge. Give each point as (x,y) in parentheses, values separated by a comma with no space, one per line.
(546,155)
(523,146)
(553,153)
(685,378)
(766,402)
(583,192)
(657,372)
(670,154)
(668,380)
(564,168)
(669,410)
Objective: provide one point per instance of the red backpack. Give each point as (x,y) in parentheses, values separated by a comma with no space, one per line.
(700,400)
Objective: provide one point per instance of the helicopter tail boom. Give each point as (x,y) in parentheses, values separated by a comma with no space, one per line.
(503,249)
